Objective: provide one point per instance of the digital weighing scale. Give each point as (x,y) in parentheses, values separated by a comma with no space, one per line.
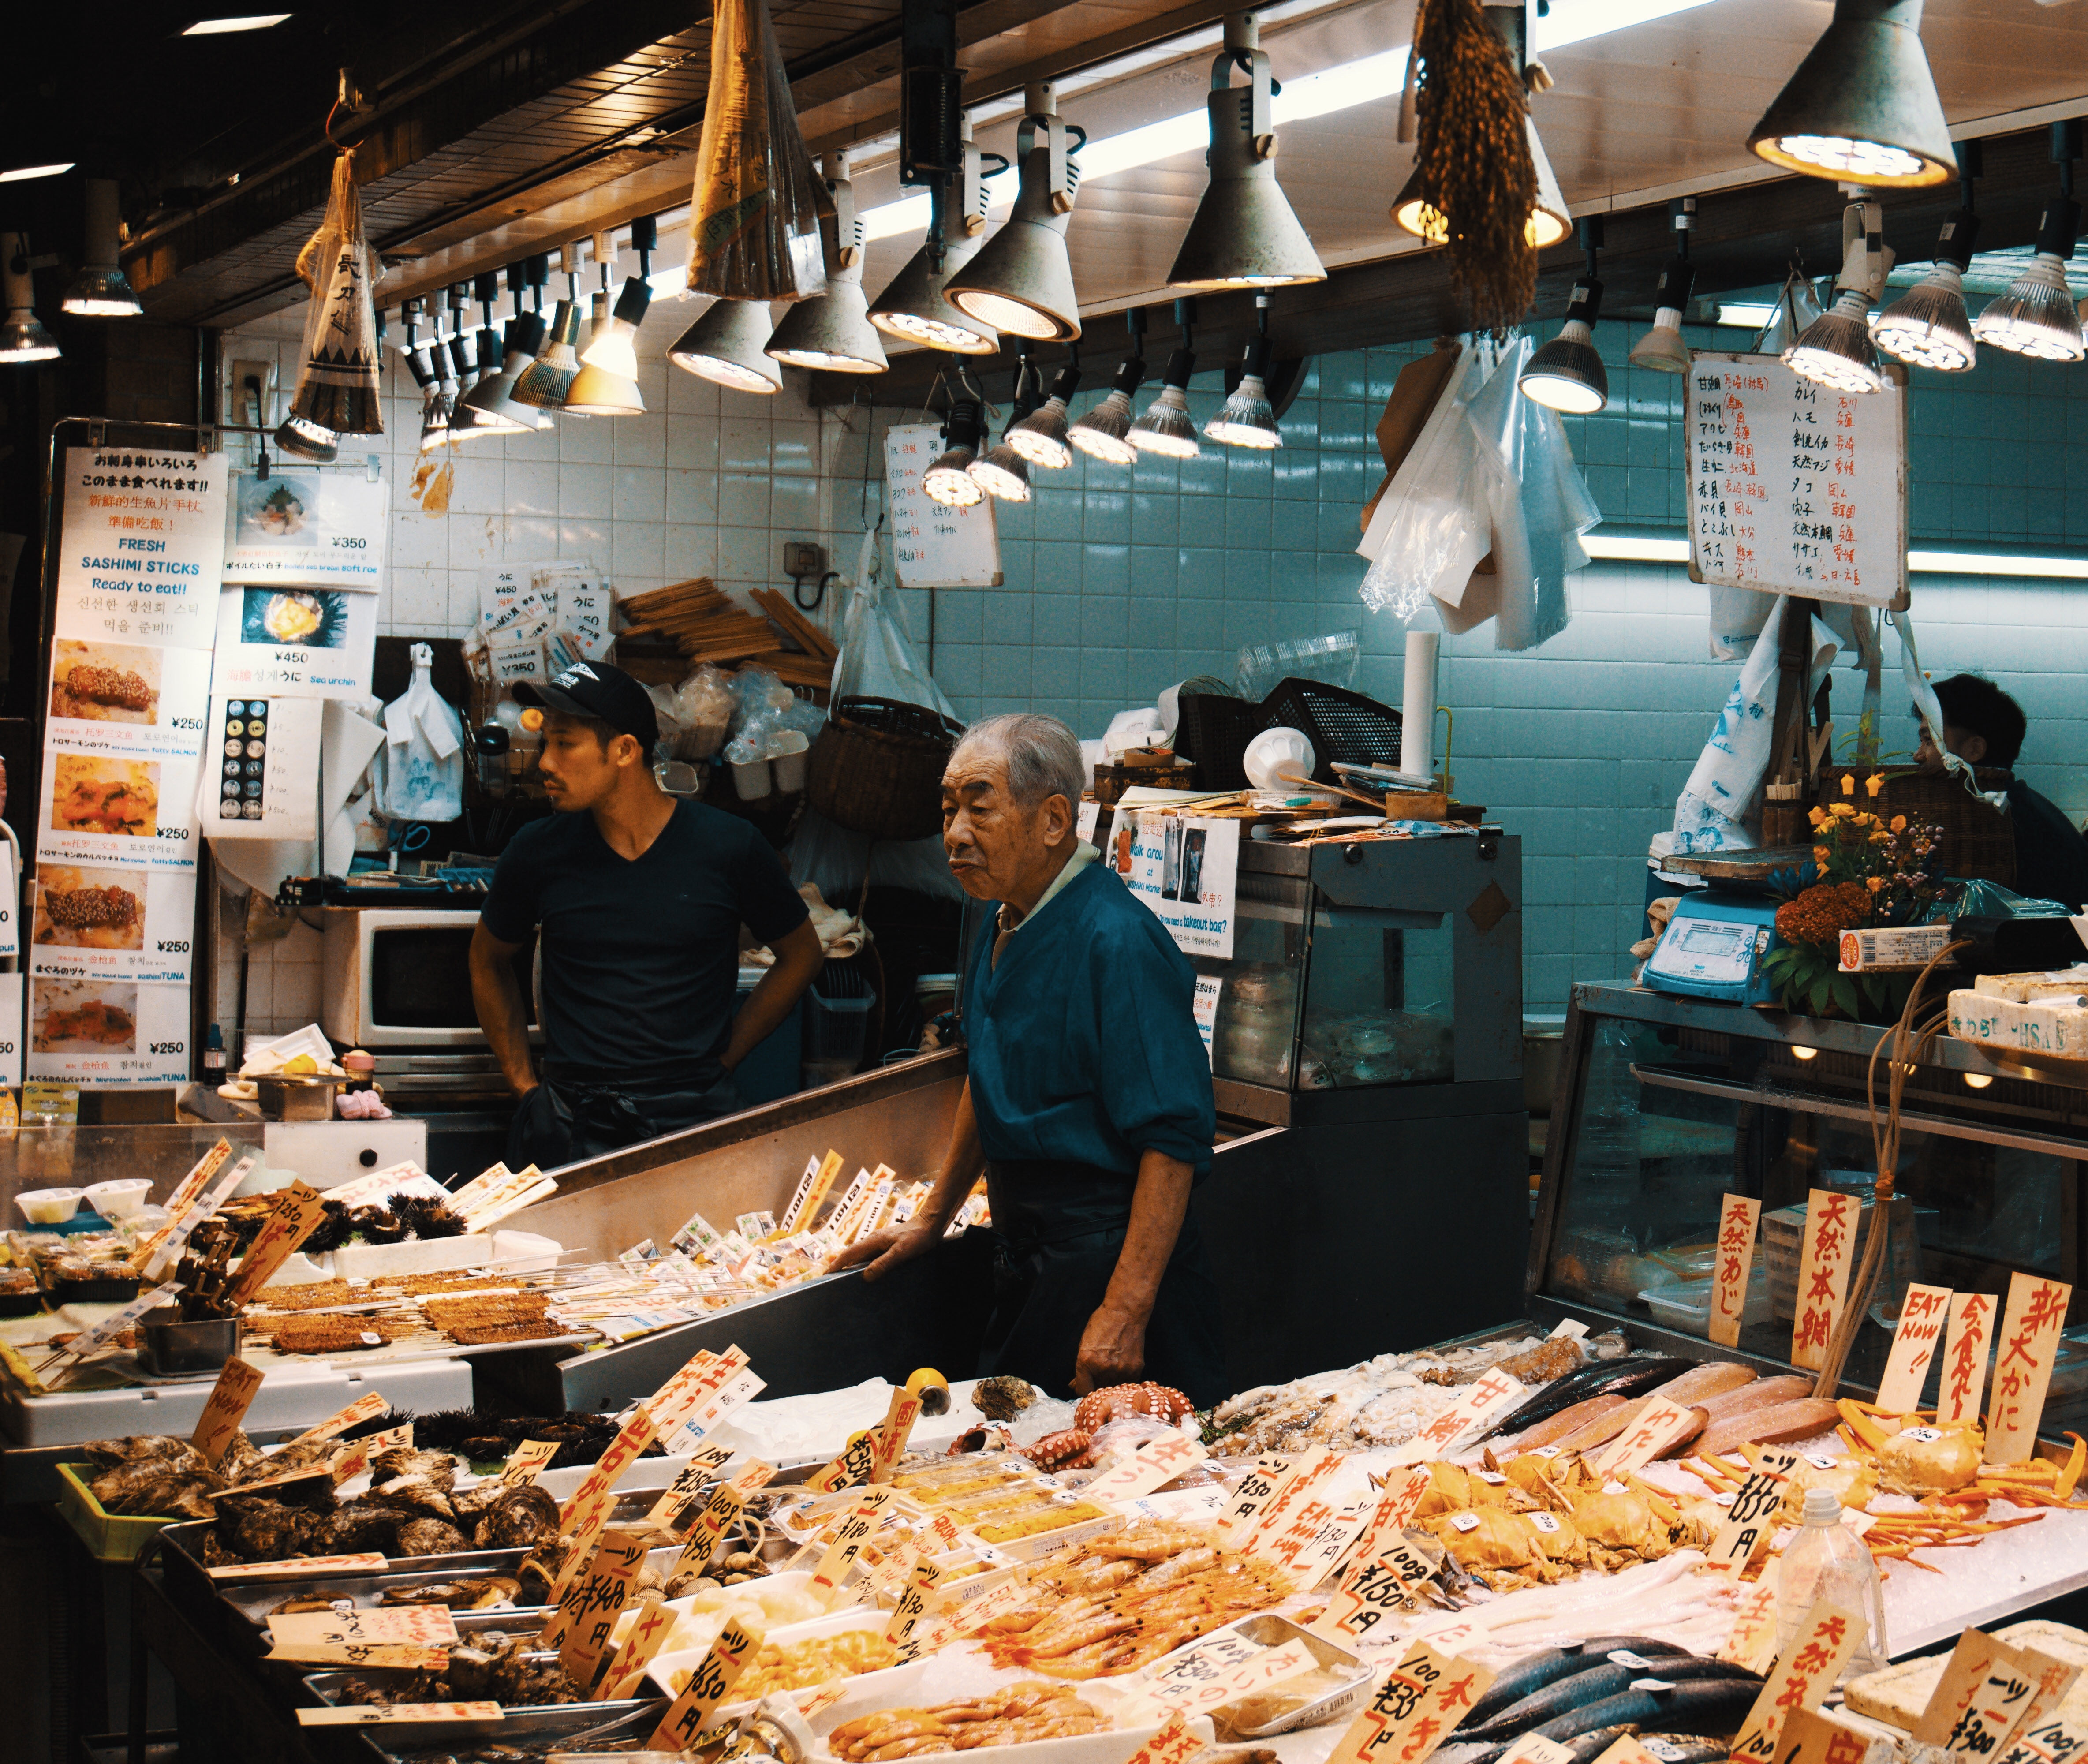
(1713,947)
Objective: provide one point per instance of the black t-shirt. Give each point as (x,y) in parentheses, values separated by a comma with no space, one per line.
(2052,856)
(640,958)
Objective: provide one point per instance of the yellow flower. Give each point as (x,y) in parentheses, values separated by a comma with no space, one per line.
(1843,810)
(1821,855)
(1877,883)
(1875,782)
(1880,837)
(1848,783)
(1817,815)
(1899,824)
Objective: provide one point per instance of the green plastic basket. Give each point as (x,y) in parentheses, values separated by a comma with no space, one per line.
(110,1537)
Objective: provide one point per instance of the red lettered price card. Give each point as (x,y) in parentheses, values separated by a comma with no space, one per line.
(1965,1357)
(1922,1315)
(2022,1368)
(1805,1672)
(1153,1465)
(1658,1426)
(1823,1274)
(1420,1701)
(691,1713)
(1738,1216)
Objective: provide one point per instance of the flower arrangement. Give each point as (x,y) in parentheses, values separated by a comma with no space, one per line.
(1866,871)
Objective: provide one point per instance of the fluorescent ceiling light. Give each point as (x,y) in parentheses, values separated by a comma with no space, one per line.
(251,21)
(1746,314)
(1649,548)
(23,173)
(1303,96)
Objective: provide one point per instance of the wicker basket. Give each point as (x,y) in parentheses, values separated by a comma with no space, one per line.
(1978,841)
(877,768)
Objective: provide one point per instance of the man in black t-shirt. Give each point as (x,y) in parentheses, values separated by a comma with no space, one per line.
(637,900)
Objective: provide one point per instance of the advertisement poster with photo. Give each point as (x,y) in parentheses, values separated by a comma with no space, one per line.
(99,809)
(108,1033)
(306,642)
(308,527)
(1186,868)
(130,700)
(111,921)
(260,777)
(142,549)
(12,986)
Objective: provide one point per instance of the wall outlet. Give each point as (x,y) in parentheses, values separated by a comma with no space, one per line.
(239,399)
(802,558)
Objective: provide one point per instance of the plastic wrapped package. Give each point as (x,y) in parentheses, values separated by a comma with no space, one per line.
(1331,659)
(833,860)
(754,222)
(1556,510)
(423,750)
(703,707)
(1434,523)
(878,659)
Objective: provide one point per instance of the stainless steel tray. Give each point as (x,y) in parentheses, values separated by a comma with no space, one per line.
(571,1724)
(255,1602)
(1270,1631)
(516,1722)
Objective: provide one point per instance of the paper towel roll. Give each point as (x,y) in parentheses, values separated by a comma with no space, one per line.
(1417,707)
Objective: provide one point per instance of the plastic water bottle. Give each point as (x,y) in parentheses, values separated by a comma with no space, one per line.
(1827,1560)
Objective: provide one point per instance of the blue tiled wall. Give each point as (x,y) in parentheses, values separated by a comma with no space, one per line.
(1120,581)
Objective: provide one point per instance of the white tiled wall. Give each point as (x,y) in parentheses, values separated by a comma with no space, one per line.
(1120,581)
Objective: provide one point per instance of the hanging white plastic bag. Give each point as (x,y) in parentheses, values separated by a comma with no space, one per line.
(1432,524)
(1719,809)
(423,750)
(877,658)
(1557,508)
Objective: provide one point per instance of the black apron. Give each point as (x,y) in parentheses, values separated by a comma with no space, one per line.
(563,1121)
(1060,1228)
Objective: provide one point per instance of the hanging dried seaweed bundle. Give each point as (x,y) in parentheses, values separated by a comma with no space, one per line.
(337,385)
(1472,155)
(754,224)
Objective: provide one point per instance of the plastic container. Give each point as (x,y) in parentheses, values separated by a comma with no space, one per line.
(837,1007)
(789,756)
(119,1200)
(1277,758)
(1827,1560)
(110,1537)
(751,779)
(49,1206)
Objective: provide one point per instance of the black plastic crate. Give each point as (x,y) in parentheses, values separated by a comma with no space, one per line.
(1341,725)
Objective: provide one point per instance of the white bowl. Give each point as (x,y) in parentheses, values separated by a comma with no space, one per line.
(49,1206)
(119,1200)
(1275,751)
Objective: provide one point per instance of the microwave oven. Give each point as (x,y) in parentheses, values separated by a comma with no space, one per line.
(401,977)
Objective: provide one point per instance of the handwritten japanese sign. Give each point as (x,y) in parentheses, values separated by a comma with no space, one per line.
(1207,1675)
(1738,1218)
(1922,1315)
(1819,1648)
(720,1514)
(2047,1739)
(1256,1488)
(579,1630)
(855,1531)
(1964,1343)
(363,1561)
(1297,1496)
(648,1636)
(684,1499)
(2017,1687)
(1175,1742)
(1971,1659)
(1753,1643)
(1155,1462)
(1751,1520)
(934,544)
(355,1459)
(1492,1393)
(526,1460)
(591,1503)
(1394,1513)
(415,1637)
(1660,1424)
(2022,1369)
(363,1714)
(691,1713)
(1810,1738)
(1370,1594)
(296,1215)
(1422,1698)
(900,1415)
(364,1408)
(1823,1273)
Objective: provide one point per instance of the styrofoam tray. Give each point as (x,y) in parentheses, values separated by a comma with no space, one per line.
(796,1581)
(881,1689)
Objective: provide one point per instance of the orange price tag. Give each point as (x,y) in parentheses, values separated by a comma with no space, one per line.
(1738,1218)
(230,1398)
(2028,1342)
(1153,1465)
(1419,1701)
(1658,1426)
(1823,1273)
(1804,1674)
(1965,1357)
(1922,1315)
(691,1713)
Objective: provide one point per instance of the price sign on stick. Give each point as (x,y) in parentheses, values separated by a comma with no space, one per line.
(1738,1218)
(1808,1738)
(2051,1739)
(1493,1392)
(526,1460)
(690,1491)
(1751,1520)
(587,1615)
(1660,1424)
(297,1212)
(1823,1274)
(1804,1674)
(691,1713)
(1155,1462)
(1964,1376)
(2028,1343)
(1174,1743)
(1423,1697)
(400,1714)
(1370,1595)
(1922,1315)
(1753,1643)
(855,1531)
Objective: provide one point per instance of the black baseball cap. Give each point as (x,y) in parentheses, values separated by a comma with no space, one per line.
(597,690)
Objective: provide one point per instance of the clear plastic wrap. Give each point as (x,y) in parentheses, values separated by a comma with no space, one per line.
(1331,659)
(337,382)
(833,860)
(1437,523)
(754,222)
(877,658)
(1545,492)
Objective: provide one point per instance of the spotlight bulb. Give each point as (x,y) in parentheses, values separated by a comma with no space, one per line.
(1167,428)
(1004,473)
(1928,325)
(2037,316)
(1247,419)
(1566,372)
(1835,350)
(949,481)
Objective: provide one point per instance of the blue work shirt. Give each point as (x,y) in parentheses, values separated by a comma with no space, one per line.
(1083,1036)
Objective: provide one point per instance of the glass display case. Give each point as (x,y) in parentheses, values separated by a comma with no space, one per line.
(1367,967)
(1666,1106)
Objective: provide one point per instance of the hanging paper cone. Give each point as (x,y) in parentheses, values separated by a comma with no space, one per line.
(753,224)
(337,385)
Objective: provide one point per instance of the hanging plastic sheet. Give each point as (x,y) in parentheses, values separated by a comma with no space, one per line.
(1931,714)
(337,382)
(423,750)
(878,659)
(1433,523)
(753,224)
(1720,807)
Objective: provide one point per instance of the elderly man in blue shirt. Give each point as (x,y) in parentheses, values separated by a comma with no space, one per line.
(1088,1103)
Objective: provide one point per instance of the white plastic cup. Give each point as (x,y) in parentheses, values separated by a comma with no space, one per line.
(119,1200)
(789,754)
(1275,752)
(750,780)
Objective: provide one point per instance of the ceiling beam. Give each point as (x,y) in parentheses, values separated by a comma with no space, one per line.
(1745,237)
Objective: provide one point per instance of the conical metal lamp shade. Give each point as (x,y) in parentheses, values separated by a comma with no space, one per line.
(728,344)
(495,396)
(596,392)
(546,380)
(1022,281)
(833,330)
(913,307)
(1862,107)
(1244,234)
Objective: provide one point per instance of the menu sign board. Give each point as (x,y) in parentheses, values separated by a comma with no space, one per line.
(1796,488)
(933,545)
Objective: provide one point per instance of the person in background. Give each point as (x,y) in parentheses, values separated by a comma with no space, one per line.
(1984,726)
(637,898)
(1089,1105)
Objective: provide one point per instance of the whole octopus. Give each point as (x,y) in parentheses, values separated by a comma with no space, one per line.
(1073,1448)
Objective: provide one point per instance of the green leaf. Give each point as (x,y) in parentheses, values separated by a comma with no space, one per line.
(1845,994)
(1817,995)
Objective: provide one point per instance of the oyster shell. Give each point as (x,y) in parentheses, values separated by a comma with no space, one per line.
(361,1529)
(261,1530)
(521,1519)
(431,1537)
(437,1468)
(412,1494)
(160,1449)
(1002,1398)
